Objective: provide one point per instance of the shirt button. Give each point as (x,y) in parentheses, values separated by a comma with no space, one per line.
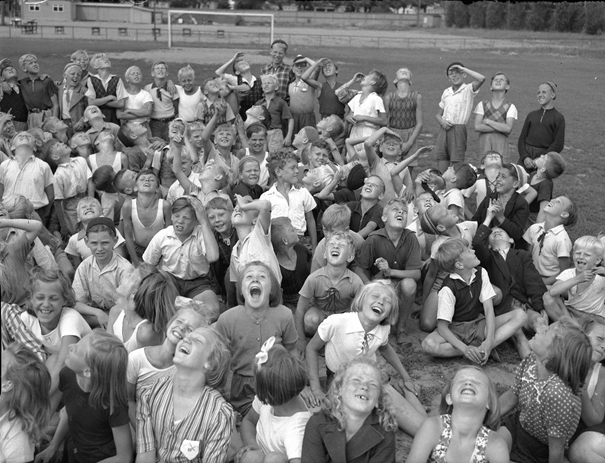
(258,339)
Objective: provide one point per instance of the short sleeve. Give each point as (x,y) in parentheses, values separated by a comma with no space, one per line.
(379,104)
(564,247)
(327,329)
(80,285)
(134,365)
(71,246)
(73,324)
(308,287)
(545,188)
(487,291)
(520,375)
(529,234)
(295,433)
(153,253)
(48,175)
(145,441)
(285,111)
(479,109)
(308,201)
(512,112)
(567,274)
(290,335)
(446,304)
(365,258)
(257,404)
(119,417)
(455,198)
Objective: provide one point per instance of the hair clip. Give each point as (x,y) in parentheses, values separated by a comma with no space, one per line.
(263,355)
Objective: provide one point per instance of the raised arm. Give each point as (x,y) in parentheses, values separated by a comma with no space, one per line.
(212,252)
(31,227)
(262,206)
(310,73)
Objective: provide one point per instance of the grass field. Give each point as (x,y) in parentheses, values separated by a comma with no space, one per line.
(580,99)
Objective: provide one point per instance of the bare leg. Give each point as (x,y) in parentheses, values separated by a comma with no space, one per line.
(506,435)
(407,416)
(589,447)
(508,324)
(406,290)
(313,318)
(428,313)
(435,345)
(536,321)
(522,344)
(554,307)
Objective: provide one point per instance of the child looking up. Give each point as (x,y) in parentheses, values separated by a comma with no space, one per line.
(95,118)
(343,425)
(81,145)
(512,209)
(547,393)
(93,387)
(302,142)
(248,325)
(393,253)
(302,95)
(40,98)
(293,260)
(207,107)
(24,403)
(248,86)
(455,106)
(56,128)
(549,242)
(485,186)
(165,100)
(579,291)
(365,112)
(104,89)
(138,103)
(543,130)
(106,154)
(288,201)
(328,101)
(185,250)
(190,95)
(494,119)
(466,325)
(366,213)
(24,174)
(224,139)
(361,332)
(329,290)
(98,276)
(12,99)
(72,97)
(404,112)
(275,425)
(144,216)
(73,181)
(548,167)
(466,428)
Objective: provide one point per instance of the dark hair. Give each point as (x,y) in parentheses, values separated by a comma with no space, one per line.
(278,227)
(572,210)
(465,176)
(275,295)
(555,165)
(144,172)
(101,228)
(281,378)
(276,41)
(219,203)
(102,179)
(40,274)
(278,159)
(381,84)
(321,144)
(154,300)
(180,204)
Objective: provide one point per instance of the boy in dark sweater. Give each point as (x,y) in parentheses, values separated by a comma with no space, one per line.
(543,130)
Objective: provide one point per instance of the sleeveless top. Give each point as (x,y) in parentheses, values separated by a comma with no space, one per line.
(328,101)
(116,166)
(142,233)
(467,306)
(439,452)
(594,378)
(402,111)
(497,115)
(101,92)
(132,343)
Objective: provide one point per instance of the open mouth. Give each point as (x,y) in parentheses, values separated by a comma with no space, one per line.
(255,291)
(362,397)
(177,334)
(377,310)
(335,253)
(468,391)
(45,312)
(184,350)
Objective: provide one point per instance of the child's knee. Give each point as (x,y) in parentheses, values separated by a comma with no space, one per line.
(407,287)
(312,320)
(430,345)
(498,296)
(253,456)
(549,301)
(276,457)
(519,317)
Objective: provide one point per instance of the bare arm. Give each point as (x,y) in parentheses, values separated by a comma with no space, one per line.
(311,228)
(31,227)
(129,233)
(248,428)
(507,401)
(212,252)
(262,206)
(478,79)
(313,361)
(307,76)
(299,322)
(593,409)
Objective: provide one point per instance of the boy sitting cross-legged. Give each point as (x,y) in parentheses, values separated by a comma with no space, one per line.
(466,325)
(144,216)
(329,290)
(393,252)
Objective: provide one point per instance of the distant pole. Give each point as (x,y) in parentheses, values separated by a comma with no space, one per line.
(418,14)
(155,22)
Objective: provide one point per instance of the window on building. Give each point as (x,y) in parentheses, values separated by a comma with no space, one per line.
(58,8)
(34,7)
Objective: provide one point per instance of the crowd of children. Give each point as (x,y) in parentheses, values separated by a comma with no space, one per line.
(205,273)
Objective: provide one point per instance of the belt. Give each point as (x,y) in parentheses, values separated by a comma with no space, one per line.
(166,119)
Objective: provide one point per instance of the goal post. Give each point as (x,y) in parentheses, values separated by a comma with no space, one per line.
(202,13)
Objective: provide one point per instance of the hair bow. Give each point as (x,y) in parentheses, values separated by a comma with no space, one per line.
(263,355)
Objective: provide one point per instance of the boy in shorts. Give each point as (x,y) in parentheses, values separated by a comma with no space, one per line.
(466,325)
(39,92)
(456,106)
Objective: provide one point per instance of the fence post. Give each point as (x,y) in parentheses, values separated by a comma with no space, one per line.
(106,29)
(73,33)
(136,35)
(41,32)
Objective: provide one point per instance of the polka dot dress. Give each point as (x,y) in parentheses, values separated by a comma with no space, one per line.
(548,408)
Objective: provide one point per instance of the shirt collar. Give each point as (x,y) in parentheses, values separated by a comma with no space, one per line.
(323,272)
(455,276)
(113,263)
(356,327)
